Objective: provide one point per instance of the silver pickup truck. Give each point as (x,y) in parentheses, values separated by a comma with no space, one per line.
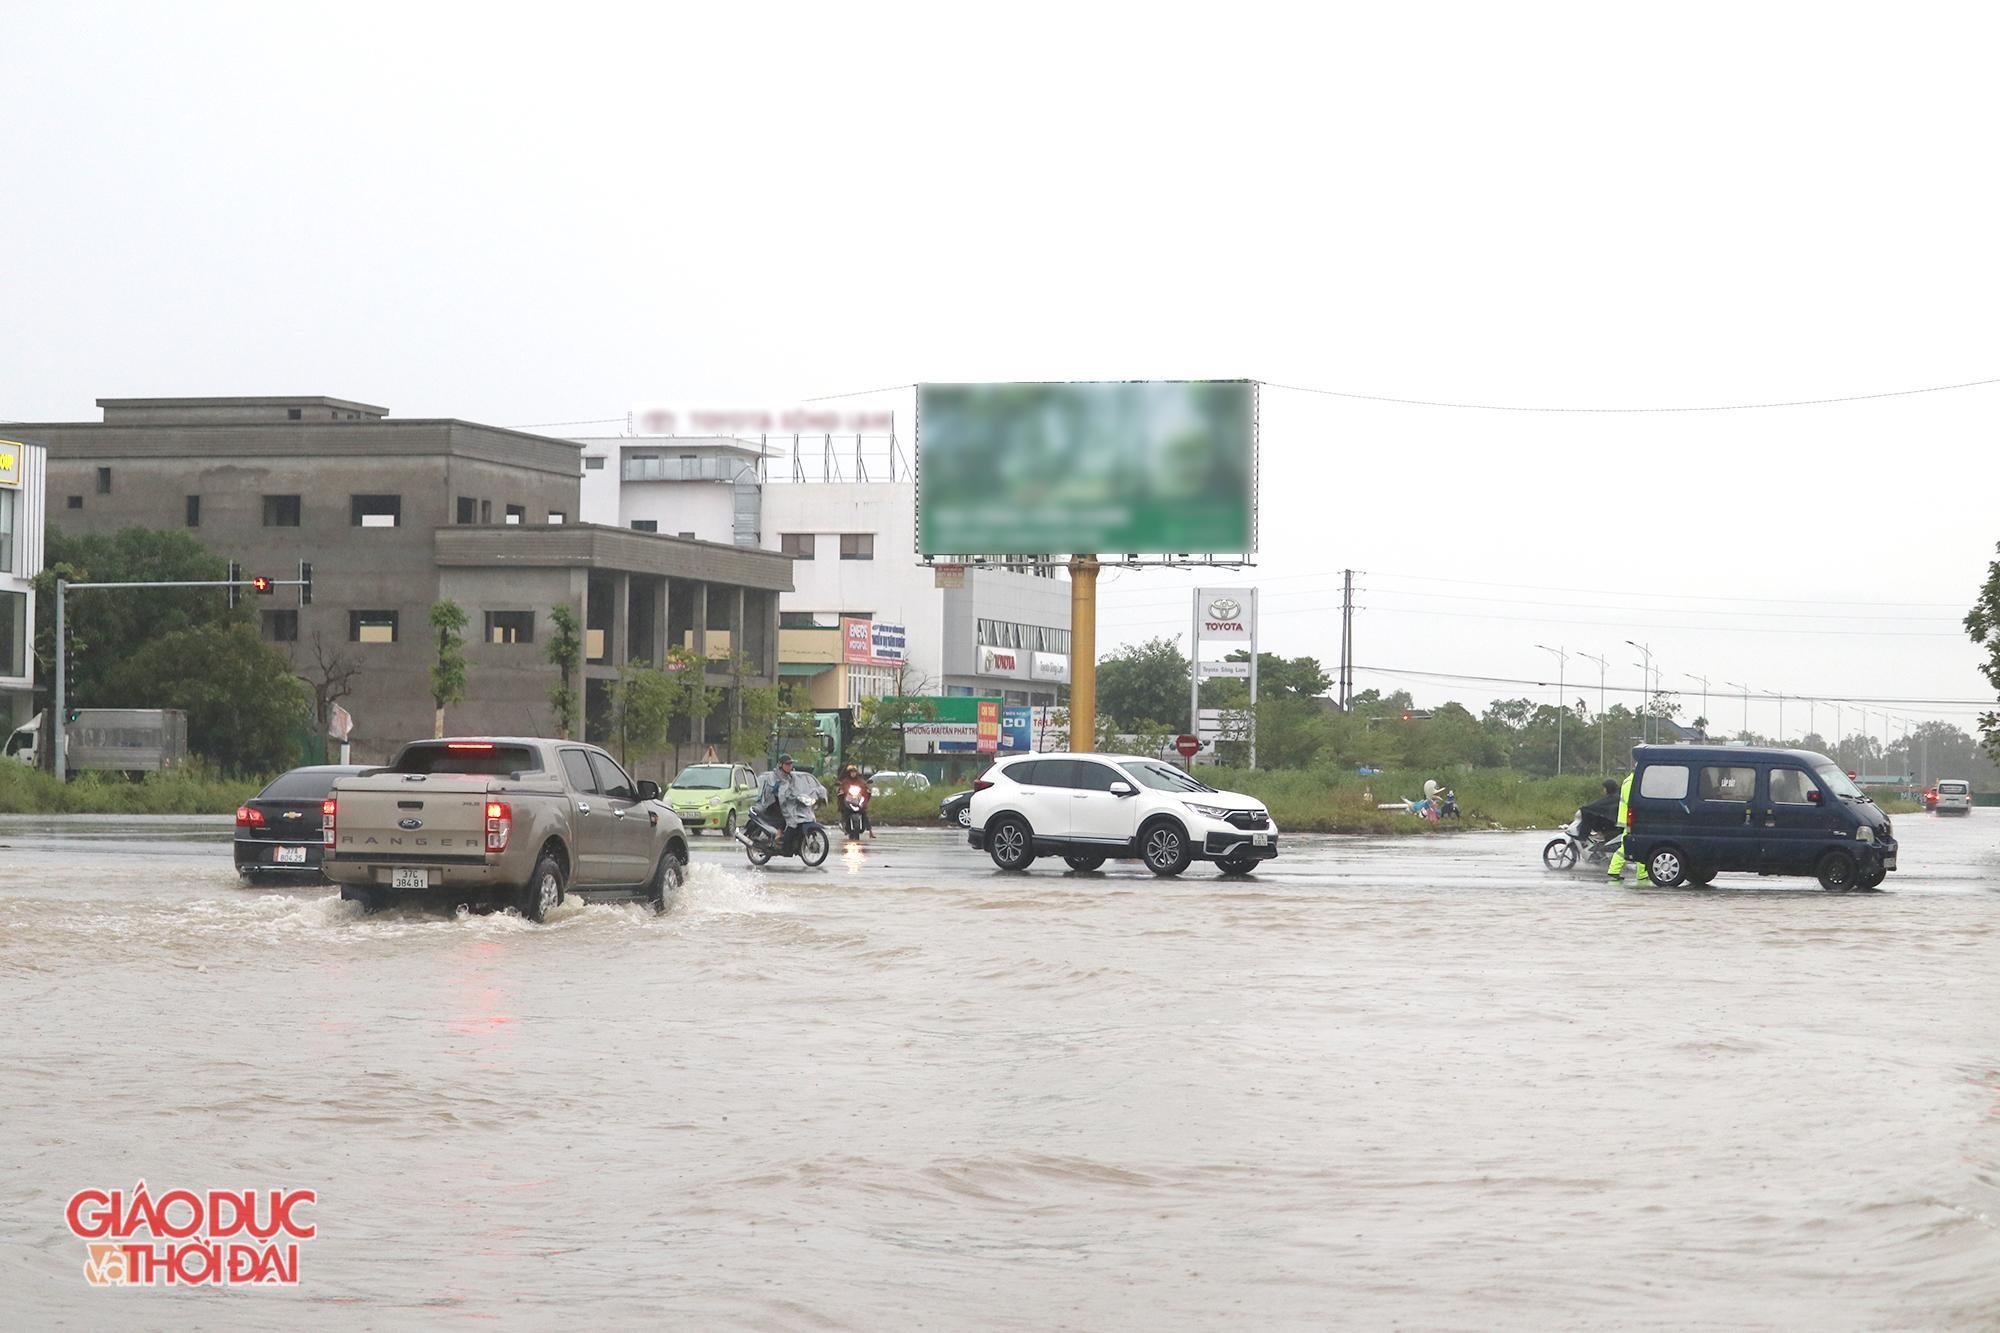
(501,821)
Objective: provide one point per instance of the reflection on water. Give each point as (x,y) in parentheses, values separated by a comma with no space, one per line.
(1381,1082)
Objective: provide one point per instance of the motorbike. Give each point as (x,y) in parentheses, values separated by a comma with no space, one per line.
(853,813)
(764,837)
(1575,845)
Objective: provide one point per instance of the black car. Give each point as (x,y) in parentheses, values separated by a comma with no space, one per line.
(278,829)
(957,809)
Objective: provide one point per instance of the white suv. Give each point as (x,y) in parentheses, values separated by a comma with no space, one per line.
(1089,808)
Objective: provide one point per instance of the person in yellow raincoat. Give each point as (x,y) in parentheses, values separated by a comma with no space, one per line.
(1617,870)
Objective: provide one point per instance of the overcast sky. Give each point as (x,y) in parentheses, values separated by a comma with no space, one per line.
(536,214)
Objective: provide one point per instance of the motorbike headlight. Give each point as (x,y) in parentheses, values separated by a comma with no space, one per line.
(1210,811)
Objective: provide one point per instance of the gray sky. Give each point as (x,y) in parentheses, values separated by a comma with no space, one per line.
(523,214)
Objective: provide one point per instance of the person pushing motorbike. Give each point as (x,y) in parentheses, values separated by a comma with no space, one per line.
(1617,869)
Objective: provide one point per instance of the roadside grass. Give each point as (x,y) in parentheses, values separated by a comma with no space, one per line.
(188,791)
(1322,801)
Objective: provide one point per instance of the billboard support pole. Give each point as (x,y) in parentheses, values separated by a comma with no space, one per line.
(1253,678)
(1194,670)
(1083,654)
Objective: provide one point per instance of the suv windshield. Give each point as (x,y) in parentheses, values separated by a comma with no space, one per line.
(1163,777)
(704,776)
(1839,783)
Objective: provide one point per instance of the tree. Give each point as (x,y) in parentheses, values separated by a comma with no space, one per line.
(1982,623)
(753,709)
(689,696)
(1144,685)
(244,706)
(565,648)
(642,707)
(448,671)
(330,674)
(878,739)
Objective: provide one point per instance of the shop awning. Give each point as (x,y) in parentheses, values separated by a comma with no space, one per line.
(803,668)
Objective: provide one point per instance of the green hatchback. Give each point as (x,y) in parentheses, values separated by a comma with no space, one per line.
(717,796)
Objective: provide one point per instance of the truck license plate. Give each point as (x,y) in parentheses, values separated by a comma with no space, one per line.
(289,856)
(404,877)
(1259,839)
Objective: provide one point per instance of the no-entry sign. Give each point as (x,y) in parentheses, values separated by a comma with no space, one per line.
(1189,746)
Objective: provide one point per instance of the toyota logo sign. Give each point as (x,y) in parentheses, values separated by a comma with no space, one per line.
(1224,608)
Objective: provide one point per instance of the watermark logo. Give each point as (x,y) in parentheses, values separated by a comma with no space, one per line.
(215,1238)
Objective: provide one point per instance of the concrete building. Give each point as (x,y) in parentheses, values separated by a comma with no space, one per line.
(395,515)
(848,520)
(21,471)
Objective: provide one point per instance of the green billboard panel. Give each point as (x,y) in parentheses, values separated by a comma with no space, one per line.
(1151,467)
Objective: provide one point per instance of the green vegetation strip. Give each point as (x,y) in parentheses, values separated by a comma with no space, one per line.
(26,791)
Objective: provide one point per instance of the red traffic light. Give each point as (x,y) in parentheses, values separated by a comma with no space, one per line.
(263,585)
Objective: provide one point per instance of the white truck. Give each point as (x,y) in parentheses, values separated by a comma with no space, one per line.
(131,741)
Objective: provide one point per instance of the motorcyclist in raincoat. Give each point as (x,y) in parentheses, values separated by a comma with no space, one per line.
(786,795)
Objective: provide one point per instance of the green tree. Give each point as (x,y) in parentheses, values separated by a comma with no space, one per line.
(877,741)
(244,706)
(753,708)
(690,698)
(447,619)
(1982,624)
(1144,686)
(565,649)
(642,708)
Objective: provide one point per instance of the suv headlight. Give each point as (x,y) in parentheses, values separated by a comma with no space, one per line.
(1210,811)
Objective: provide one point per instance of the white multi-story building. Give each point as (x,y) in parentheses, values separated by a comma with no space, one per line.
(849,522)
(22,490)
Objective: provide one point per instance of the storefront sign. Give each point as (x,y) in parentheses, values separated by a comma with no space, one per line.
(1050,667)
(888,643)
(953,728)
(1016,729)
(857,642)
(989,726)
(1225,613)
(10,462)
(1225,670)
(1003,662)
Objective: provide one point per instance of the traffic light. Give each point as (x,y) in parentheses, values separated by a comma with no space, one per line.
(235,577)
(305,583)
(262,586)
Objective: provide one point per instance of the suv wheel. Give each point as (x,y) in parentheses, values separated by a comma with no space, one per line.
(1164,848)
(1083,865)
(1237,865)
(544,889)
(1011,843)
(667,881)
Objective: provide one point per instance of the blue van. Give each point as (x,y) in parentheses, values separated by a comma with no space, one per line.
(1699,809)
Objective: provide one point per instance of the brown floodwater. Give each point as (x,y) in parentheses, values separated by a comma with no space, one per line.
(1416,1082)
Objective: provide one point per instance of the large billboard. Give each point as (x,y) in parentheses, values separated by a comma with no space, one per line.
(1153,467)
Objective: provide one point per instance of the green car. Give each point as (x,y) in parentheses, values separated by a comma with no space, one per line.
(707,796)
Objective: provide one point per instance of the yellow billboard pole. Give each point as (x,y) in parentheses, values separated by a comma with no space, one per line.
(1083,653)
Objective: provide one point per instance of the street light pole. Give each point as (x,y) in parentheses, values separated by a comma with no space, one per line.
(1646,684)
(1738,685)
(1704,691)
(1593,657)
(1562,661)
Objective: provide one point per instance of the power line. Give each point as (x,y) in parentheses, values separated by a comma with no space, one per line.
(1707,407)
(594,421)
(1788,696)
(858,393)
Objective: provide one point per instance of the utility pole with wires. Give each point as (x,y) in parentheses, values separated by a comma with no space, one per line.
(1646,685)
(1346,637)
(1739,685)
(1602,663)
(1562,705)
(1704,691)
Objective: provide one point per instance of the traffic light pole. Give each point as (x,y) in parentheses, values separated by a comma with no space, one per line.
(58,725)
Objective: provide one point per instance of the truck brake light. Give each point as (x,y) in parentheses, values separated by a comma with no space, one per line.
(499,825)
(247,817)
(327,809)
(468,745)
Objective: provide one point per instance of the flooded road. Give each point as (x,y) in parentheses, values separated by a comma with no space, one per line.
(1413,1082)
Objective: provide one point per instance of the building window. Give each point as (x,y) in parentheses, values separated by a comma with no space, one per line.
(295,414)
(371,626)
(510,627)
(194,511)
(593,463)
(13,634)
(558,517)
(376,511)
(857,546)
(468,509)
(796,544)
(797,620)
(687,536)
(76,502)
(104,481)
(281,626)
(281,511)
(8,522)
(645,525)
(517,514)
(485,511)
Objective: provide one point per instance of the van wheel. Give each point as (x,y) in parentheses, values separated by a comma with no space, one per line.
(1083,865)
(673,873)
(1836,871)
(1872,877)
(544,889)
(1702,877)
(1164,848)
(1011,844)
(1666,868)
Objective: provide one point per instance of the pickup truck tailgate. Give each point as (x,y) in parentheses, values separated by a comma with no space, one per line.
(418,817)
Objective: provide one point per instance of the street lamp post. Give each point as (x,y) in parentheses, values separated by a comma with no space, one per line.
(1738,685)
(1646,684)
(1704,690)
(1562,661)
(1593,657)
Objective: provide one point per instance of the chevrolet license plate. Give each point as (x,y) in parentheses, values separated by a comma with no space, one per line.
(289,856)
